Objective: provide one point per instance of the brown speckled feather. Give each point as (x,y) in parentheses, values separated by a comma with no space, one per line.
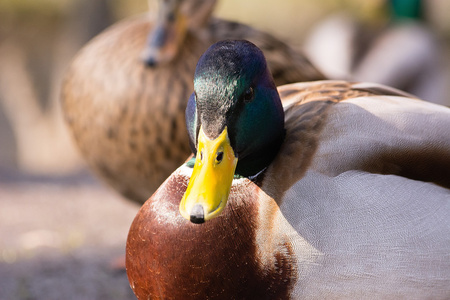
(128,120)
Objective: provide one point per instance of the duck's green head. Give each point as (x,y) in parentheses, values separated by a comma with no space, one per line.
(406,9)
(235,122)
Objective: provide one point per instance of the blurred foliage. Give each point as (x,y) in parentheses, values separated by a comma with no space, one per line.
(123,9)
(49,7)
(12,11)
(291,19)
(269,15)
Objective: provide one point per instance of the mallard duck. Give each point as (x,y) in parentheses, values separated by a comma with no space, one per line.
(128,118)
(318,190)
(402,52)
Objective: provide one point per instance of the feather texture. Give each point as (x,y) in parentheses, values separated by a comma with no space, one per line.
(356,205)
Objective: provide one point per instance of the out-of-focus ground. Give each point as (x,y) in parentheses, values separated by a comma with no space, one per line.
(61,229)
(62,239)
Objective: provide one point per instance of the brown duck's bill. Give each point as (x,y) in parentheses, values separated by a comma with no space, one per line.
(166,38)
(210,183)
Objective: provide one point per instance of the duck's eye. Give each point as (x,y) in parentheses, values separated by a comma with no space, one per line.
(201,155)
(248,95)
(219,157)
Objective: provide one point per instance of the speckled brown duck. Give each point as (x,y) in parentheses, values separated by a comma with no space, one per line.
(317,190)
(128,118)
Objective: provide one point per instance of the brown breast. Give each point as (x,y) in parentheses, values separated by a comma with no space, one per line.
(170,258)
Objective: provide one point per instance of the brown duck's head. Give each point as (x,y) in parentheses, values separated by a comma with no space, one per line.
(174,19)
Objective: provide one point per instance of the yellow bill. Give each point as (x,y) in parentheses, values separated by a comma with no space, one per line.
(210,183)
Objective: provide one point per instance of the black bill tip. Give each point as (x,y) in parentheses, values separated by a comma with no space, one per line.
(197,214)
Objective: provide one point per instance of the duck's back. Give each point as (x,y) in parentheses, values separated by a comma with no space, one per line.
(336,126)
(370,211)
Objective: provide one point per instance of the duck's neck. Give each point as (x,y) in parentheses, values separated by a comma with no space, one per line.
(257,161)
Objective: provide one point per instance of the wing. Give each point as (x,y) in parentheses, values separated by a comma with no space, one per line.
(337,126)
(357,179)
(358,232)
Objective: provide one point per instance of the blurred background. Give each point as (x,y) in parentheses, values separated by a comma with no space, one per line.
(61,229)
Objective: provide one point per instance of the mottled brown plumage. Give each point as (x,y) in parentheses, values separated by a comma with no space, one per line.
(128,119)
